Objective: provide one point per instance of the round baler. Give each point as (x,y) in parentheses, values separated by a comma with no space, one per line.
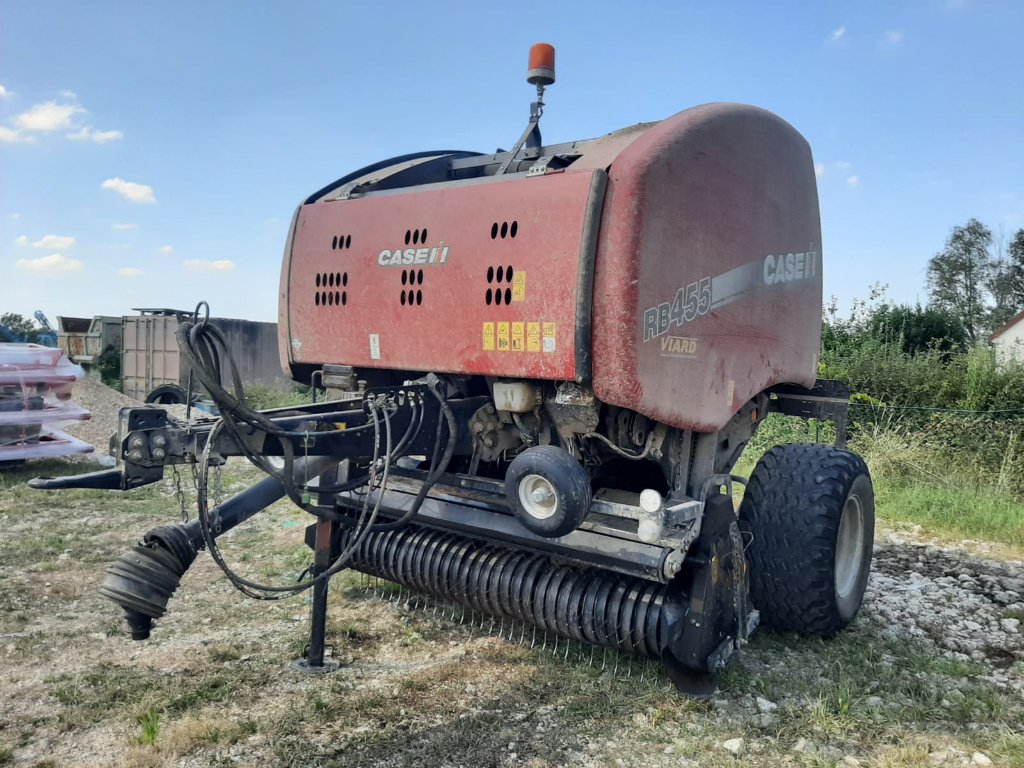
(542,366)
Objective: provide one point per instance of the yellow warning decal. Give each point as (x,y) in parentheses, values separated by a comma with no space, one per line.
(488,337)
(533,337)
(549,337)
(503,337)
(518,334)
(519,287)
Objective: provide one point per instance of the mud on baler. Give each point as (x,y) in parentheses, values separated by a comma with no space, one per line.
(544,364)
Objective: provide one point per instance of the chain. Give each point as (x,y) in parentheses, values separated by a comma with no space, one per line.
(179,493)
(217,491)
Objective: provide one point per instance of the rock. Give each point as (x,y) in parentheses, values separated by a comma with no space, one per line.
(1010,625)
(766,706)
(875,702)
(802,745)
(939,757)
(980,758)
(738,747)
(849,760)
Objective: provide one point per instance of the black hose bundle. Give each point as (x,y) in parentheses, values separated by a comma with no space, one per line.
(204,348)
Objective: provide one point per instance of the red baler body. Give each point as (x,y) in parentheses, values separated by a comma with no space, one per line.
(674,267)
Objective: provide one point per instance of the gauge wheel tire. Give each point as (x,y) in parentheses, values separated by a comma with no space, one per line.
(809,516)
(548,490)
(167,394)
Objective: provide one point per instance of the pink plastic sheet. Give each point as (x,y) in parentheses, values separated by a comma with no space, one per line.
(35,391)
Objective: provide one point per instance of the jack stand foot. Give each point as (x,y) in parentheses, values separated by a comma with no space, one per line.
(326,666)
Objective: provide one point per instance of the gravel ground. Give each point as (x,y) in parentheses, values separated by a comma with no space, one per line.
(967,609)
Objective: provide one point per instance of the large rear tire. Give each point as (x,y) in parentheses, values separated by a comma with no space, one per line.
(809,512)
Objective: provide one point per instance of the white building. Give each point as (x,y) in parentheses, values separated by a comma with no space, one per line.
(1009,340)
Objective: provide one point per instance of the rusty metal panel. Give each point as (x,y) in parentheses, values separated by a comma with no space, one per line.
(481,278)
(708,277)
(254,348)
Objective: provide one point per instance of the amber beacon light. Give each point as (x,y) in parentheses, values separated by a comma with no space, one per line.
(542,64)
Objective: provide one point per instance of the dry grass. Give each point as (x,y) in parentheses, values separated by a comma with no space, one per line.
(417,688)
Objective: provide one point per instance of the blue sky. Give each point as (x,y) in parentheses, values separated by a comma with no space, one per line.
(151,154)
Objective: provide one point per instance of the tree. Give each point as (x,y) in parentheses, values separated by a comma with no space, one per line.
(917,329)
(20,328)
(959,275)
(1007,282)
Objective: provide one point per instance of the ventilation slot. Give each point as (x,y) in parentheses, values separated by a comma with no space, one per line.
(502,275)
(504,230)
(410,295)
(331,298)
(415,236)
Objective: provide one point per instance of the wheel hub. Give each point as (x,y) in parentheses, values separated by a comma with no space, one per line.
(538,497)
(849,547)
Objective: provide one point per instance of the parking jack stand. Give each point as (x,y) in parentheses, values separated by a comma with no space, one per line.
(313,661)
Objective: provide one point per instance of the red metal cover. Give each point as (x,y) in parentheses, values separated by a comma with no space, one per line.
(707,286)
(480,277)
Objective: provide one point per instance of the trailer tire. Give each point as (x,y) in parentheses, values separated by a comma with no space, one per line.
(167,394)
(809,515)
(548,490)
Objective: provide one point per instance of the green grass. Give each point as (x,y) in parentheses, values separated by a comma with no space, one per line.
(149,725)
(925,476)
(952,512)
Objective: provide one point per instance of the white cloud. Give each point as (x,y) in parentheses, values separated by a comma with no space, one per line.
(837,34)
(198,265)
(69,95)
(55,262)
(99,137)
(15,216)
(4,93)
(819,169)
(853,181)
(166,249)
(130,272)
(893,37)
(21,240)
(54,242)
(11,136)
(129,190)
(842,165)
(48,116)
(124,227)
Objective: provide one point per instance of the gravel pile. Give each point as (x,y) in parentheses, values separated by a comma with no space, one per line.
(969,609)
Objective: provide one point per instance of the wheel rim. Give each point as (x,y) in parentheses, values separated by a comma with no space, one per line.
(537,497)
(849,547)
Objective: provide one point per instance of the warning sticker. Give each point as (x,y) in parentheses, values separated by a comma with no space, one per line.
(375,346)
(533,337)
(503,344)
(549,337)
(488,341)
(518,337)
(519,287)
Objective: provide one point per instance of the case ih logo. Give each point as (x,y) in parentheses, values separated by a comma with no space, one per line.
(404,257)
